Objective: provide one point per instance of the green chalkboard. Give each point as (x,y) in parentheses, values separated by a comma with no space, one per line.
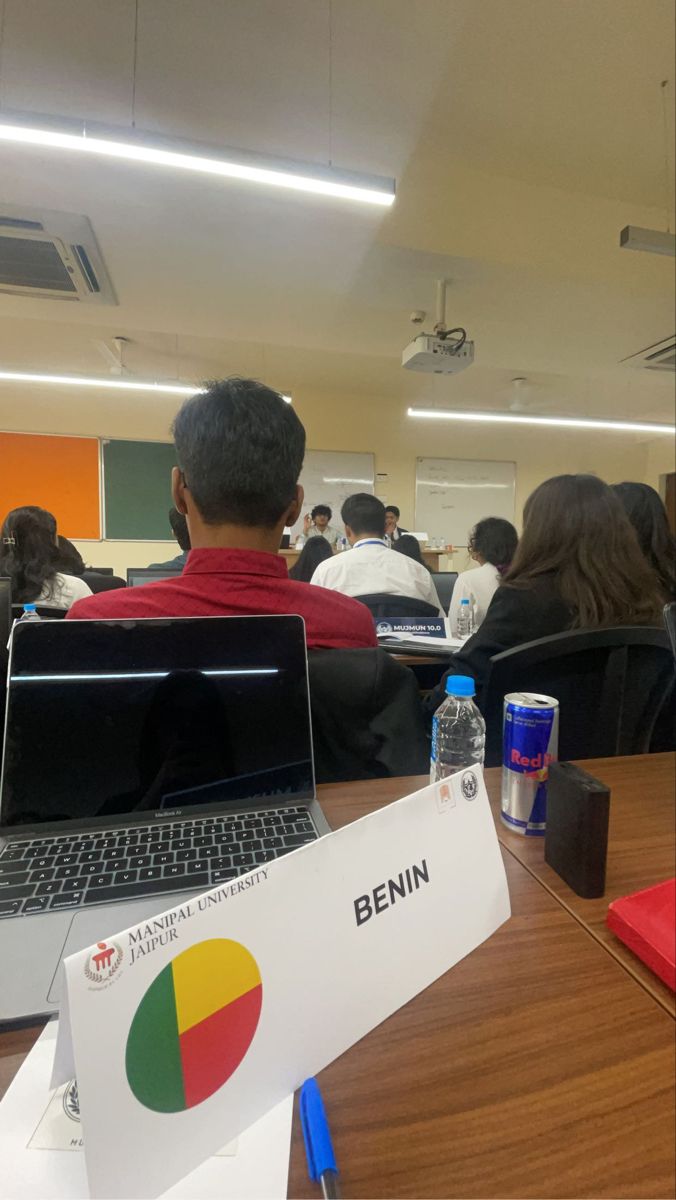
(137,490)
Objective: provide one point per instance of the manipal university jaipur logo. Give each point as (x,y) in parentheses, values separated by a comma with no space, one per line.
(103,963)
(194,1025)
(470,785)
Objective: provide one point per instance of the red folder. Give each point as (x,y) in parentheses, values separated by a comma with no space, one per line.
(646,923)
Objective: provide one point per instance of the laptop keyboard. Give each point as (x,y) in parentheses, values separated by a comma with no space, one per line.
(73,870)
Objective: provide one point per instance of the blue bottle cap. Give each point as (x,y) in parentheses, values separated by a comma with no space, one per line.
(464,601)
(460,685)
(29,607)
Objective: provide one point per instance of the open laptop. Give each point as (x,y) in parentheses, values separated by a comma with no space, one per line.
(142,760)
(137,576)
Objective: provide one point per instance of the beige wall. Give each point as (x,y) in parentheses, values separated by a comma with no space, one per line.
(349,422)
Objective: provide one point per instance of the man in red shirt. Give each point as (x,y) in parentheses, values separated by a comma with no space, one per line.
(240,448)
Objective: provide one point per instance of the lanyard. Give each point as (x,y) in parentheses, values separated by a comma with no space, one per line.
(370,542)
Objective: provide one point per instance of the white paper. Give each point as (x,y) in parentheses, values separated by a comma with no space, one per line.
(41,1156)
(324,976)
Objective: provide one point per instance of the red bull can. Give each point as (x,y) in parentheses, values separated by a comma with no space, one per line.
(530,744)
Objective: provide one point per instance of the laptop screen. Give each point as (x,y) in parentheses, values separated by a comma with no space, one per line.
(137,576)
(109,719)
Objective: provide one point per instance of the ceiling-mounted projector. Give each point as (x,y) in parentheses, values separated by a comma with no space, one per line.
(442,356)
(444,352)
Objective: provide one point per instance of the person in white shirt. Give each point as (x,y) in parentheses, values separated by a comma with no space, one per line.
(492,544)
(370,566)
(317,524)
(30,556)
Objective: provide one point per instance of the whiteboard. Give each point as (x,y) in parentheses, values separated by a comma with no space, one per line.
(329,477)
(452,494)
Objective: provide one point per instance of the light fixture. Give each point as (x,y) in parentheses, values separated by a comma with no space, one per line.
(655,241)
(153,150)
(127,385)
(440,414)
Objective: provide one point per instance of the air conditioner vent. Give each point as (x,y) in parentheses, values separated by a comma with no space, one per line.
(51,255)
(33,263)
(659,357)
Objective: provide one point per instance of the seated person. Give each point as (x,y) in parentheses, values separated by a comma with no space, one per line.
(315,551)
(492,544)
(240,449)
(410,546)
(648,515)
(179,528)
(371,567)
(317,524)
(31,557)
(71,561)
(392,530)
(577,566)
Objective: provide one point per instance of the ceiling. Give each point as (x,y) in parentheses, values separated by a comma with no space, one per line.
(522,135)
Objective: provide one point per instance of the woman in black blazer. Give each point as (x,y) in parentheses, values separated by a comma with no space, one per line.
(577,566)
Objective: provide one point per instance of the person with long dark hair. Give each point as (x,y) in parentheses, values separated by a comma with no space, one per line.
(648,515)
(71,561)
(314,552)
(492,544)
(30,556)
(577,566)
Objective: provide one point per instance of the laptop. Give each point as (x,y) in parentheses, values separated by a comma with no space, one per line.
(143,760)
(137,576)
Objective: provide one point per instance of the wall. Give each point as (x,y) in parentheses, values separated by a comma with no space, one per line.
(351,422)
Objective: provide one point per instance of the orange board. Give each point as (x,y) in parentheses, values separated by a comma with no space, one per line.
(60,474)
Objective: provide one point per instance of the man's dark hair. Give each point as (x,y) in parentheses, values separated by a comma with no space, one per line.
(495,540)
(179,528)
(364,514)
(321,510)
(240,448)
(393,509)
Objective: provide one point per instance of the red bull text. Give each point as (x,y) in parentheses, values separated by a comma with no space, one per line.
(530,744)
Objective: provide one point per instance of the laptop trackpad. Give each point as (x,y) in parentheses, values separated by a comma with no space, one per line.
(98,923)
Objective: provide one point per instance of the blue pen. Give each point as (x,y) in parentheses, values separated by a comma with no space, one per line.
(321,1161)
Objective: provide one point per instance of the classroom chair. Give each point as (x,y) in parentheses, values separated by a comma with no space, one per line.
(382,604)
(613,685)
(367,720)
(444,582)
(99,581)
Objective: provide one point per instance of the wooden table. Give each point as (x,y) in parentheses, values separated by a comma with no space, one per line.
(538,1066)
(430,557)
(641,849)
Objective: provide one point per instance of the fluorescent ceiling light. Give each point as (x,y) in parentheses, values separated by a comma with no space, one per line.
(655,241)
(438,414)
(134,146)
(125,385)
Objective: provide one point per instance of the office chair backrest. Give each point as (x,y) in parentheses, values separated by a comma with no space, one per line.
(381,604)
(100,570)
(444,582)
(43,610)
(102,583)
(611,684)
(367,719)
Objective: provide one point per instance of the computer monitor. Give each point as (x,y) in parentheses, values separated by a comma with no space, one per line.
(139,575)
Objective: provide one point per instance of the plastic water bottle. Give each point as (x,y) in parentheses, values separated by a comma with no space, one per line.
(465,620)
(29,613)
(458,730)
(343,544)
(300,542)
